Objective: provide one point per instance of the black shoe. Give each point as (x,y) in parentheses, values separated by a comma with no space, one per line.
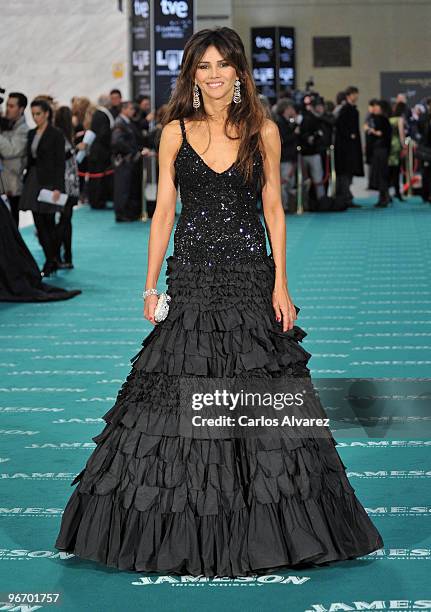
(352,205)
(382,204)
(65,265)
(49,269)
(124,219)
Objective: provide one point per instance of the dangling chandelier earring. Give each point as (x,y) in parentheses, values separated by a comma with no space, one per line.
(236,92)
(196,100)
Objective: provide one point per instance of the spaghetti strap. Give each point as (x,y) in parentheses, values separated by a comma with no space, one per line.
(183,128)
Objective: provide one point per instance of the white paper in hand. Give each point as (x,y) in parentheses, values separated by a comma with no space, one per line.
(45,195)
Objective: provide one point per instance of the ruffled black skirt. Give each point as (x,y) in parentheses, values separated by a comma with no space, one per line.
(153,500)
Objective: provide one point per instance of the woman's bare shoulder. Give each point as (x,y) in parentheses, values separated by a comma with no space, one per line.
(172,128)
(170,138)
(269,129)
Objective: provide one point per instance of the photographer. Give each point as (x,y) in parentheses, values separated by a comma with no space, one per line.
(286,118)
(13,150)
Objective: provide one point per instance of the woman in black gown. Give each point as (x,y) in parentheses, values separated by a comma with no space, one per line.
(152,497)
(20,277)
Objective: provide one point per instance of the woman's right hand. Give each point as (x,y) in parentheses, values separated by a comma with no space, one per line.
(149,308)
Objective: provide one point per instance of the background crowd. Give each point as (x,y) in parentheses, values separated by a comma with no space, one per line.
(97,153)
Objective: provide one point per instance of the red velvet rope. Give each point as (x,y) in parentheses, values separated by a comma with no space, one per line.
(94,175)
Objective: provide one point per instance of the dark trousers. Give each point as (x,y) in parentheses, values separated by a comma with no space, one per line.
(343,187)
(127,186)
(426,181)
(100,180)
(64,231)
(394,178)
(99,191)
(381,172)
(46,233)
(14,206)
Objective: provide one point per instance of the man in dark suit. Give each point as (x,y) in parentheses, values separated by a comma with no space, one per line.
(380,143)
(116,101)
(348,148)
(310,139)
(126,153)
(99,157)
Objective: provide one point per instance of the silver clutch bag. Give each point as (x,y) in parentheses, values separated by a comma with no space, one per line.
(162,308)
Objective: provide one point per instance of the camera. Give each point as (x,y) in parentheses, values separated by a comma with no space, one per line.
(309,84)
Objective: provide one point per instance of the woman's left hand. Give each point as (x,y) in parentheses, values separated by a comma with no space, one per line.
(283,307)
(56,195)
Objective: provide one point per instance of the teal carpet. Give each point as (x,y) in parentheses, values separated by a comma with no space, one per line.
(362,281)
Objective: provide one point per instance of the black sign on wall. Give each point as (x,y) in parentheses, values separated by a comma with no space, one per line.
(286,66)
(273,59)
(173,26)
(264,61)
(140,47)
(332,51)
(159,30)
(415,85)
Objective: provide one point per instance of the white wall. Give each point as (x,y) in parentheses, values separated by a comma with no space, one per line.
(62,47)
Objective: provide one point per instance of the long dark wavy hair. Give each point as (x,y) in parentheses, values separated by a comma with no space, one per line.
(63,120)
(247,116)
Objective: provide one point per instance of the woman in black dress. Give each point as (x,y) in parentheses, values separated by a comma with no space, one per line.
(63,121)
(45,170)
(157,494)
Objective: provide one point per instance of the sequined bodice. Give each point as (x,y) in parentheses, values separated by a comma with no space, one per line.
(219,221)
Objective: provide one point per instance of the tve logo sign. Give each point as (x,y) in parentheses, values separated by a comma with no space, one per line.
(174,7)
(264,43)
(141,8)
(286,42)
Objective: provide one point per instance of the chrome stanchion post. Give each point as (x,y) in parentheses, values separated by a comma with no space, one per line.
(411,165)
(333,174)
(299,183)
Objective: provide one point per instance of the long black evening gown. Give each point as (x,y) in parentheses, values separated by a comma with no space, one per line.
(152,500)
(20,277)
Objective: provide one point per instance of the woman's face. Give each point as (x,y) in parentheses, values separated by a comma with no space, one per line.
(40,117)
(215,76)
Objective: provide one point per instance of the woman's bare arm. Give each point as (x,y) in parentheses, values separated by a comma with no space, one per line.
(271,199)
(163,218)
(276,224)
